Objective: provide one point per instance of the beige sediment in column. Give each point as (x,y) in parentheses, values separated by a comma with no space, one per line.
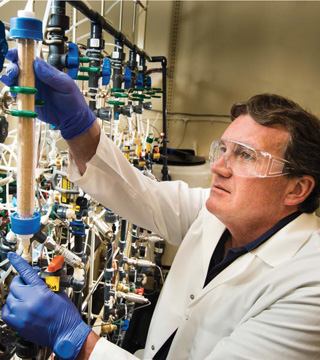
(26,132)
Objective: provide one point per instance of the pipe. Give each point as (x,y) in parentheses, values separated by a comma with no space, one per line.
(94,288)
(95,45)
(91,271)
(96,17)
(163,60)
(57,25)
(121,15)
(134,17)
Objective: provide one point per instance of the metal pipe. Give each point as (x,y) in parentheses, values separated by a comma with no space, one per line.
(94,288)
(57,25)
(121,15)
(102,7)
(108,275)
(91,271)
(74,30)
(134,21)
(141,5)
(163,60)
(95,45)
(96,17)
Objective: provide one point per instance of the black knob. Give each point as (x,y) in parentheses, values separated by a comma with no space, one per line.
(147,105)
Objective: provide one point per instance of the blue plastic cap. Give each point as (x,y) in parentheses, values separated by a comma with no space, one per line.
(65,349)
(25,226)
(25,28)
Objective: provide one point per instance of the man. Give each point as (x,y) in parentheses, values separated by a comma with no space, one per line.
(245,283)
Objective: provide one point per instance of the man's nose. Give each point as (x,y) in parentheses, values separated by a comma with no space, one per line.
(220,167)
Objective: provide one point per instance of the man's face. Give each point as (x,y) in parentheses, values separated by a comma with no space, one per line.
(242,199)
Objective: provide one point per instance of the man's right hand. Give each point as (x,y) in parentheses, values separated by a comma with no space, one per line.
(42,316)
(65,106)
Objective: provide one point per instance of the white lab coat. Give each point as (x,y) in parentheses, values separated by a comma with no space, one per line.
(265,305)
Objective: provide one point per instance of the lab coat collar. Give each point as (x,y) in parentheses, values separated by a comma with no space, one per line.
(280,247)
(286,242)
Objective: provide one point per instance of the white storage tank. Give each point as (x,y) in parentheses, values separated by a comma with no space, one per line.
(186,166)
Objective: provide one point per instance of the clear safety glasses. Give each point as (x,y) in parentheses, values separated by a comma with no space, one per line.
(244,160)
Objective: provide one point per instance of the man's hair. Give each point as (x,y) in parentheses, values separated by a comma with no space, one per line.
(303,148)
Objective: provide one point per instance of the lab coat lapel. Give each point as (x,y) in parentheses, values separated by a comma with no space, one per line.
(279,248)
(239,266)
(209,243)
(212,232)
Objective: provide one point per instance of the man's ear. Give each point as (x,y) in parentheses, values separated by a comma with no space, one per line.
(300,188)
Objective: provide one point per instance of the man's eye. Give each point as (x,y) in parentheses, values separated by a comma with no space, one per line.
(247,155)
(223,149)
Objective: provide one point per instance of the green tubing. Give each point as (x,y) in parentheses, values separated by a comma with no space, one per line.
(117,90)
(23,90)
(142,96)
(113,102)
(120,95)
(89,69)
(24,113)
(138,89)
(82,77)
(156,96)
(84,59)
(136,99)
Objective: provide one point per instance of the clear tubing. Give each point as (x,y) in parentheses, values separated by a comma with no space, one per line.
(26,131)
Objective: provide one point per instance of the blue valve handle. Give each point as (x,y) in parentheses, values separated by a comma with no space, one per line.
(72,60)
(149,82)
(106,71)
(3,45)
(139,83)
(127,78)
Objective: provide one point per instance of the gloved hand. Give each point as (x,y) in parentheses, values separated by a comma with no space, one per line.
(65,106)
(42,316)
(12,69)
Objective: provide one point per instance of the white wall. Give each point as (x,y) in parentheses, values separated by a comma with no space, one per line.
(230,50)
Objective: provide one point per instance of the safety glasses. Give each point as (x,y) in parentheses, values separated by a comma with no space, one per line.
(244,160)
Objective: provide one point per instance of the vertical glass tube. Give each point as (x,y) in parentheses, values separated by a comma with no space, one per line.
(26,131)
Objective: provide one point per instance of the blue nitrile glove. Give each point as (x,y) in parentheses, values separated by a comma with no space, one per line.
(42,316)
(65,107)
(12,69)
